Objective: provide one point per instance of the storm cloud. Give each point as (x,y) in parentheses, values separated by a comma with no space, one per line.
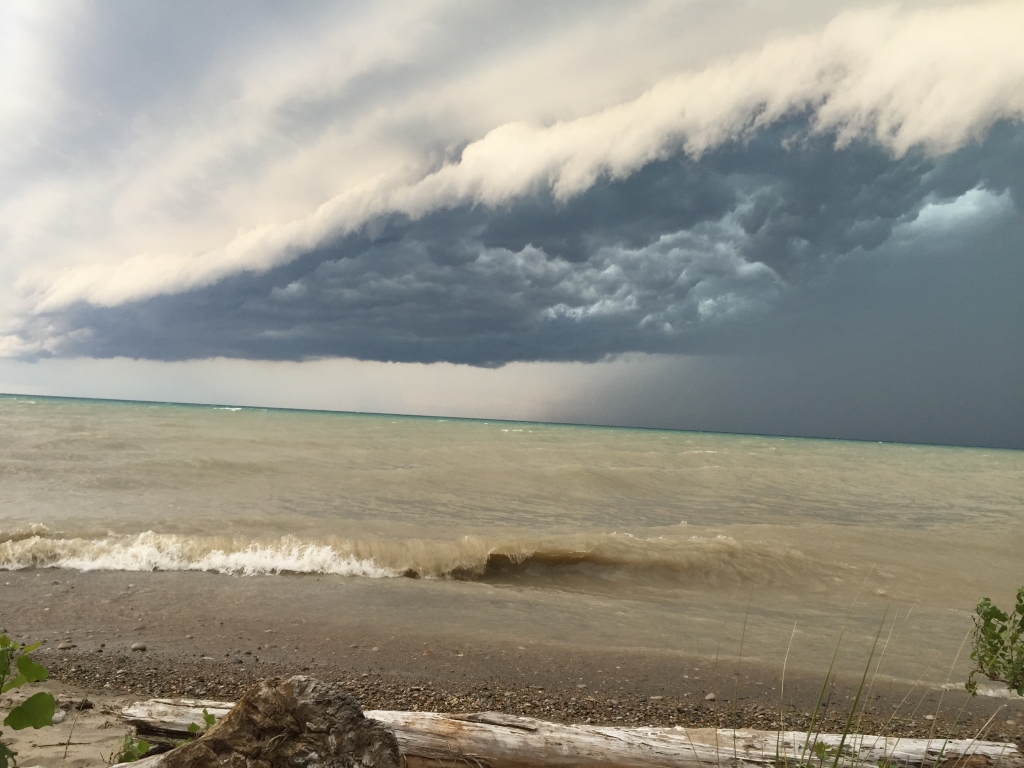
(683,256)
(821,218)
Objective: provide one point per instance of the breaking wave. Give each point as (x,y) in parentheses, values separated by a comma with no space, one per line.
(168,552)
(555,560)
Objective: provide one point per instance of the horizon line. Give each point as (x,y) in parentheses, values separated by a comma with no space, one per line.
(502,421)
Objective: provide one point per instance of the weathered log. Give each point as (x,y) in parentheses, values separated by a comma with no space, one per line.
(505,741)
(171,717)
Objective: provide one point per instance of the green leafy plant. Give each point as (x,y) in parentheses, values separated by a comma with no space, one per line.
(195,728)
(998,645)
(129,749)
(824,752)
(17,668)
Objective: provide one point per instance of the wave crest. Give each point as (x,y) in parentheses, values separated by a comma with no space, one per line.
(551,560)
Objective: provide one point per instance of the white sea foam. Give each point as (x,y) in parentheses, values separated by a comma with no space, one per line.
(992,689)
(166,552)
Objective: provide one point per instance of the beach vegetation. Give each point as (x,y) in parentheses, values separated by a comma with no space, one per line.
(208,720)
(823,752)
(129,749)
(17,669)
(998,644)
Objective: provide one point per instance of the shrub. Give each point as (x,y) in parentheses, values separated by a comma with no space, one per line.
(998,644)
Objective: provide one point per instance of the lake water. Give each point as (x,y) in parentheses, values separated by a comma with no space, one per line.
(634,539)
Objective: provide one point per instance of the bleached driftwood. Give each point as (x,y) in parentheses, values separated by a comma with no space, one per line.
(171,717)
(506,741)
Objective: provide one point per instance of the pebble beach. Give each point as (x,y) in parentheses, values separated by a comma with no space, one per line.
(191,653)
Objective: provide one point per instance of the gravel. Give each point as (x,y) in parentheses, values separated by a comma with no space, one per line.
(224,679)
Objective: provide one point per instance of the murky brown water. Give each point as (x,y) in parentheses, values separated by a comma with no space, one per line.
(601,537)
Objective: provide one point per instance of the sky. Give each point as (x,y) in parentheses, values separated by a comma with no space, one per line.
(790,217)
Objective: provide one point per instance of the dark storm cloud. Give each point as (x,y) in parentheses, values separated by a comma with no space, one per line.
(684,256)
(921,341)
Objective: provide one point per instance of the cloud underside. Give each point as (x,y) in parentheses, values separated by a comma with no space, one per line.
(685,255)
(352,191)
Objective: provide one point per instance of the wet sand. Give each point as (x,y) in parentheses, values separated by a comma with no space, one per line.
(210,636)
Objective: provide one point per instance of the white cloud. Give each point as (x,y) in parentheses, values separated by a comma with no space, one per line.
(976,208)
(30,37)
(286,147)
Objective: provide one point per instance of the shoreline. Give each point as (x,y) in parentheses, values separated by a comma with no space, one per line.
(139,676)
(89,734)
(210,636)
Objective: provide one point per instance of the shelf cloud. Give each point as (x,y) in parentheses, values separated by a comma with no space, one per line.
(488,184)
(934,79)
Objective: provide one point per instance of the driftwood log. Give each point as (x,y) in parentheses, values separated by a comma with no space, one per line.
(497,740)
